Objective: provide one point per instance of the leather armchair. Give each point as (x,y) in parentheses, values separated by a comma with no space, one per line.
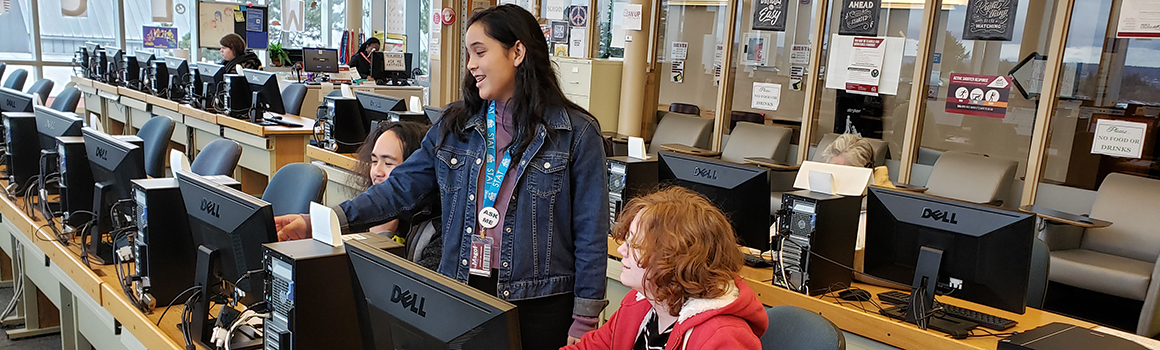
(971,178)
(686,129)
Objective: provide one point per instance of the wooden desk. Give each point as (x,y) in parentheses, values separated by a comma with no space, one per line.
(1063,217)
(315,95)
(679,148)
(341,179)
(770,163)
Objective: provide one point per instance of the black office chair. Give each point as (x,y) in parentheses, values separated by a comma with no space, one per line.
(156,134)
(293,187)
(41,88)
(792,327)
(219,157)
(3,66)
(292,98)
(67,100)
(16,80)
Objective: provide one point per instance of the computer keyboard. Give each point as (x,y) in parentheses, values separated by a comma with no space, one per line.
(985,320)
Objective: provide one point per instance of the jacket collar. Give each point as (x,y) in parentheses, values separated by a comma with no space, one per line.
(694,306)
(556,117)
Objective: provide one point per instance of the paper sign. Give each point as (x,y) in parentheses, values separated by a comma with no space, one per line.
(990,20)
(324,225)
(555,9)
(577,43)
(239,15)
(795,77)
(766,96)
(1119,138)
(394,61)
(865,69)
(979,95)
(633,13)
(559,32)
(800,55)
(1139,19)
(678,74)
(178,161)
(293,15)
(770,14)
(159,37)
(254,21)
(821,182)
(162,10)
(679,51)
(859,17)
(846,180)
(636,148)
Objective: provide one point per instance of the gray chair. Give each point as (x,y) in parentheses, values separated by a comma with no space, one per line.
(971,178)
(41,88)
(156,134)
(67,100)
(792,327)
(686,129)
(219,157)
(1040,269)
(16,80)
(684,108)
(756,140)
(3,66)
(293,187)
(928,156)
(1120,259)
(292,98)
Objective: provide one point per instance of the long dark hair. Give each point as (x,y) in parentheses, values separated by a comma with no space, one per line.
(371,41)
(537,88)
(410,133)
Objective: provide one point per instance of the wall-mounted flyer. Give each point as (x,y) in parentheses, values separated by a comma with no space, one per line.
(865,69)
(859,17)
(770,14)
(990,20)
(1119,138)
(1139,19)
(766,96)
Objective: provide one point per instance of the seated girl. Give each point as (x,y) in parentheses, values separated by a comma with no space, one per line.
(680,258)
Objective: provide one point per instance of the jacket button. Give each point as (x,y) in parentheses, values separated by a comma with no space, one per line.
(505,264)
(477,161)
(505,293)
(471,197)
(464,262)
(509,230)
(513,197)
(522,162)
(547,165)
(454,160)
(468,230)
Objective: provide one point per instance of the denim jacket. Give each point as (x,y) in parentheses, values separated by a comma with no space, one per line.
(555,229)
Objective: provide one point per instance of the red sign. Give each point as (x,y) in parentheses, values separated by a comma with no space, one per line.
(980,95)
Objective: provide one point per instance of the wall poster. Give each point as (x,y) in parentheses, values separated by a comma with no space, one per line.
(770,15)
(990,20)
(859,17)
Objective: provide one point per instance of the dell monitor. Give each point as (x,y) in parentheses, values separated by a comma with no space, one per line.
(115,163)
(406,306)
(229,228)
(14,100)
(116,62)
(160,81)
(740,191)
(211,76)
(320,60)
(179,77)
(378,107)
(266,95)
(385,66)
(51,123)
(89,56)
(983,251)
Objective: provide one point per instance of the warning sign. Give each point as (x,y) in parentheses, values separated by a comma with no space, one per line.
(981,95)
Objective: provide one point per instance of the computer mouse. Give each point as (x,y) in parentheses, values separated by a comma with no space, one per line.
(854,295)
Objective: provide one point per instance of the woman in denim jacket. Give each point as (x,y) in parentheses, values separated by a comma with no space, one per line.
(543,221)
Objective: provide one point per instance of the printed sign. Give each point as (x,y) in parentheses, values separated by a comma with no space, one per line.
(766,96)
(978,95)
(990,20)
(800,55)
(678,73)
(293,15)
(1139,19)
(578,15)
(795,77)
(578,43)
(160,37)
(560,32)
(679,51)
(254,20)
(394,61)
(633,13)
(859,17)
(770,15)
(555,9)
(1119,138)
(865,69)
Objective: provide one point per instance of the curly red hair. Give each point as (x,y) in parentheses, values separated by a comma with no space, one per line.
(685,244)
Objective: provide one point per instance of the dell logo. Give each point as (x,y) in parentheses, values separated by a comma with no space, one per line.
(49,124)
(10,103)
(409,300)
(210,208)
(102,153)
(705,173)
(375,104)
(939,215)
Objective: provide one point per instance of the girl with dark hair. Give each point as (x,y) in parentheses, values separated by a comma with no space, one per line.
(362,60)
(519,171)
(234,54)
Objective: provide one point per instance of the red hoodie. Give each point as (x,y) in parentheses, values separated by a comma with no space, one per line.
(732,321)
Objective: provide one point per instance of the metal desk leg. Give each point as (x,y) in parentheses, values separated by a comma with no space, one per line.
(37,320)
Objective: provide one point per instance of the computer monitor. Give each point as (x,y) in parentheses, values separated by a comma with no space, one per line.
(377,107)
(385,67)
(116,62)
(406,306)
(179,77)
(15,100)
(102,65)
(160,79)
(433,113)
(320,60)
(211,76)
(740,191)
(51,123)
(266,95)
(115,163)
(985,250)
(90,55)
(229,228)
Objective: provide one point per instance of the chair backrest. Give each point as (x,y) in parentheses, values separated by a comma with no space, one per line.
(16,80)
(292,98)
(928,156)
(293,187)
(219,157)
(67,100)
(3,66)
(756,140)
(792,327)
(1040,269)
(41,88)
(156,134)
(685,108)
(1129,202)
(971,178)
(334,93)
(742,116)
(686,129)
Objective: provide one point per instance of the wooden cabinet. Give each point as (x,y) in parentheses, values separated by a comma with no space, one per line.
(594,85)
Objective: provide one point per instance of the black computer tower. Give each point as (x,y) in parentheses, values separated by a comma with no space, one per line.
(817,224)
(627,178)
(237,98)
(311,294)
(342,125)
(23,144)
(76,180)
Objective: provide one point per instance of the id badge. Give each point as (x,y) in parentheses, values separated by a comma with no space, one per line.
(481,256)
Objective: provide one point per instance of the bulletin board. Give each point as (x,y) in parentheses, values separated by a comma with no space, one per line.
(218,19)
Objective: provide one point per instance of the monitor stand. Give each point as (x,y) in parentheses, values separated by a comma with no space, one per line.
(99,251)
(922,310)
(208,266)
(257,112)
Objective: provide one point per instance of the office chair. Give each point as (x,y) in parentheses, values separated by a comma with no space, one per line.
(293,187)
(756,140)
(928,156)
(41,88)
(971,178)
(3,66)
(1040,269)
(67,100)
(1120,259)
(219,157)
(792,327)
(292,98)
(16,80)
(686,129)
(156,134)
(685,108)
(334,93)
(742,116)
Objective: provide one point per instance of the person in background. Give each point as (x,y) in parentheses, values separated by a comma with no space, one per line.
(361,61)
(853,150)
(385,147)
(235,54)
(681,260)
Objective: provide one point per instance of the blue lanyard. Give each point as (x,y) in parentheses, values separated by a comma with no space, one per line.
(494,176)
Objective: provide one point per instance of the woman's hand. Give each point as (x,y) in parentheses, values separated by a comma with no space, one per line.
(292,227)
(573,340)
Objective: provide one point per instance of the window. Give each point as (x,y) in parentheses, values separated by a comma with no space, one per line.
(60,77)
(140,13)
(703,28)
(312,36)
(337,21)
(17,24)
(61,36)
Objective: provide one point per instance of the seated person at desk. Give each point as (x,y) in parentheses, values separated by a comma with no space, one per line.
(681,260)
(361,61)
(853,150)
(235,54)
(385,147)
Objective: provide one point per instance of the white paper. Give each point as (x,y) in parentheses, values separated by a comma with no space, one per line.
(821,182)
(1139,19)
(617,36)
(633,13)
(677,75)
(178,161)
(679,51)
(800,55)
(1119,138)
(555,9)
(1146,342)
(324,225)
(346,90)
(766,96)
(865,68)
(162,10)
(415,105)
(577,43)
(293,15)
(848,180)
(636,148)
(840,57)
